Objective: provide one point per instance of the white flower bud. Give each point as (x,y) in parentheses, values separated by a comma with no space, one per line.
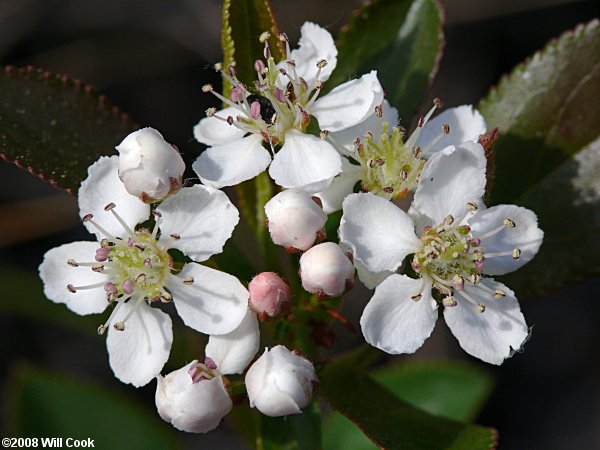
(149,167)
(190,401)
(269,294)
(326,269)
(280,382)
(294,219)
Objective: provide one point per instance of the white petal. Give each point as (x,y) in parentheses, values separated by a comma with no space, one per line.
(347,137)
(315,43)
(138,353)
(466,124)
(203,406)
(341,186)
(526,236)
(348,104)
(493,335)
(392,321)
(103,186)
(203,219)
(215,303)
(305,162)
(232,163)
(57,274)
(213,131)
(379,233)
(232,352)
(450,179)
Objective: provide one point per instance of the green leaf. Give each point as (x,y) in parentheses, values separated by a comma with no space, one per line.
(403,40)
(243,22)
(567,202)
(443,388)
(56,127)
(43,404)
(545,117)
(388,421)
(300,431)
(544,111)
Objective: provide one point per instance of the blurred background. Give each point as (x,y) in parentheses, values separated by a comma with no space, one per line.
(151,57)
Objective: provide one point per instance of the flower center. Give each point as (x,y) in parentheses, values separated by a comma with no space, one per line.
(449,255)
(136,267)
(282,100)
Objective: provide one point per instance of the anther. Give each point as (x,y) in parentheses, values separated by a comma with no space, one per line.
(509,223)
(324,134)
(446,128)
(368,135)
(475,278)
(388,190)
(175,236)
(458,280)
(321,63)
(231,70)
(87,217)
(141,278)
(207,88)
(188,280)
(516,253)
(218,67)
(416,151)
(416,297)
(98,268)
(264,36)
(438,103)
(480,308)
(449,301)
(110,207)
(71,289)
(282,37)
(472,206)
(449,220)
(210,112)
(499,293)
(259,66)
(403,175)
(120,326)
(101,329)
(72,263)
(379,111)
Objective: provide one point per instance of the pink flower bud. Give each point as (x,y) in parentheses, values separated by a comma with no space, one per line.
(294,219)
(149,167)
(326,269)
(269,294)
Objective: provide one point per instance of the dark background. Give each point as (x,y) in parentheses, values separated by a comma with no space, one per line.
(151,58)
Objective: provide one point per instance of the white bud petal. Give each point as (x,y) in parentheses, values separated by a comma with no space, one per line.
(188,406)
(149,166)
(269,294)
(326,268)
(280,382)
(294,219)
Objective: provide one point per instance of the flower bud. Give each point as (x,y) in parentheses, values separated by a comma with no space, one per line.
(280,382)
(269,294)
(326,270)
(149,167)
(294,219)
(192,401)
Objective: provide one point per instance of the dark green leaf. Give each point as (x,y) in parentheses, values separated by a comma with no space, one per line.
(46,405)
(55,127)
(388,421)
(545,111)
(243,22)
(403,40)
(567,202)
(443,388)
(301,431)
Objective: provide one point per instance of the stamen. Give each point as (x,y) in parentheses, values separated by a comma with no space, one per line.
(498,254)
(478,306)
(111,207)
(516,253)
(73,289)
(138,301)
(102,328)
(449,301)
(509,223)
(88,218)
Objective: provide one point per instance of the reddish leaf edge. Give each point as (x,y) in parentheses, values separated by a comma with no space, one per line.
(78,85)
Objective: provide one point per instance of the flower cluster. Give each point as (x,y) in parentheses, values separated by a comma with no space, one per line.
(436,250)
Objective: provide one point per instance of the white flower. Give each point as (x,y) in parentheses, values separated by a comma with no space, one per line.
(326,270)
(195,398)
(278,116)
(149,166)
(269,295)
(383,162)
(131,269)
(280,382)
(295,220)
(457,240)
